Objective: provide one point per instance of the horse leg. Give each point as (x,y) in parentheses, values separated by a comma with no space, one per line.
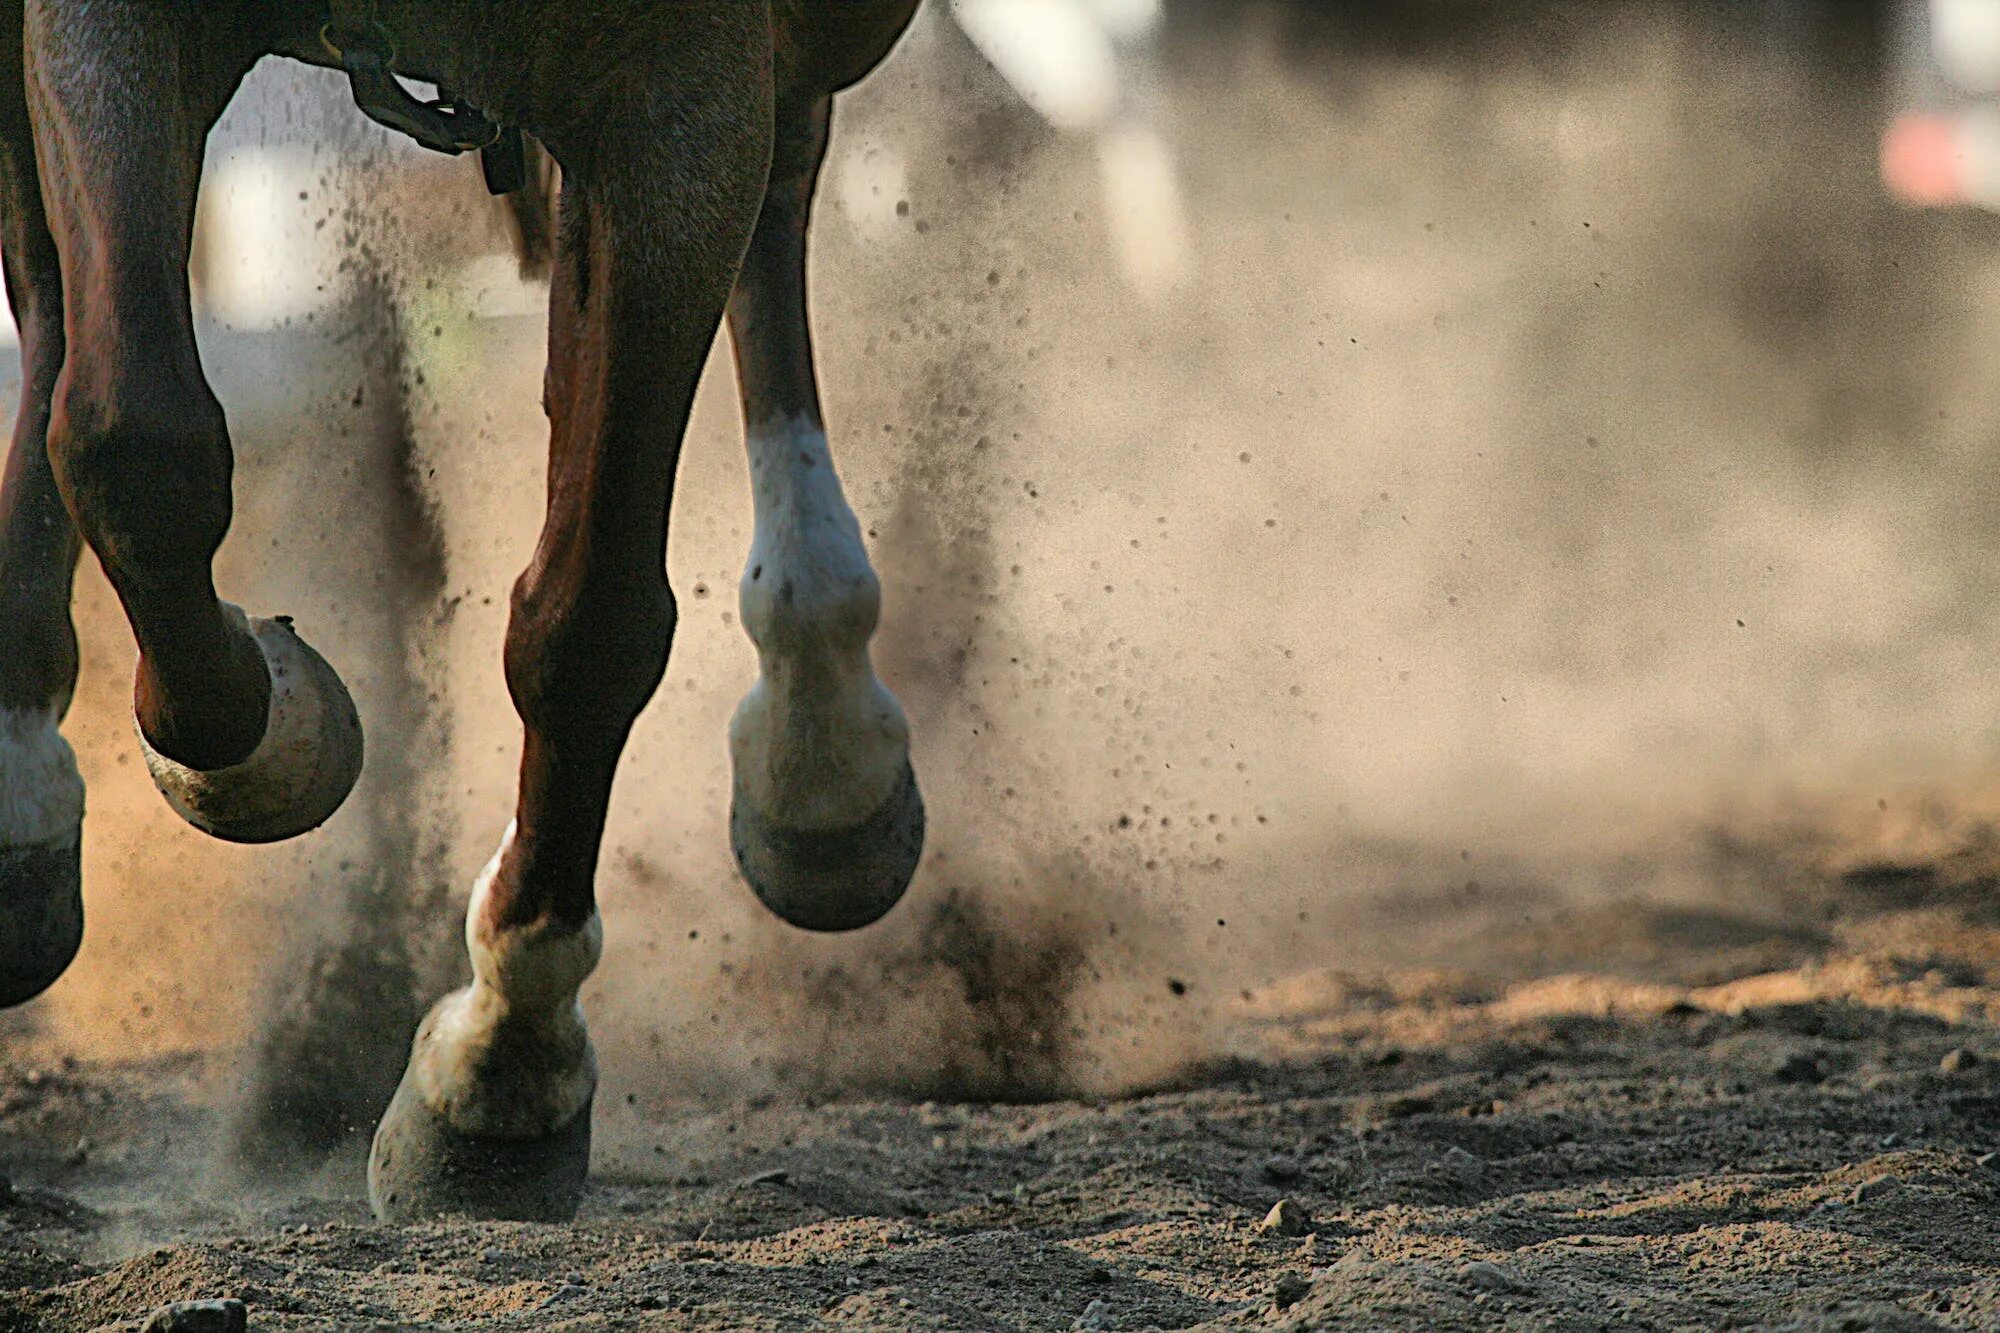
(41,791)
(825,817)
(246,730)
(493,1115)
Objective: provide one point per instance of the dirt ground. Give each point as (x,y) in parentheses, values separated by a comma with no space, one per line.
(1777,1114)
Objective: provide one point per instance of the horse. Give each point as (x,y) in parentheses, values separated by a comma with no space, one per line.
(689,137)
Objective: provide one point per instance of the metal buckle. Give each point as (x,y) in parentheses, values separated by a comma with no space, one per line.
(363,37)
(367,52)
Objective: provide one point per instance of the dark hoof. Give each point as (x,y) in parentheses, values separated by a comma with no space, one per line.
(837,879)
(300,773)
(41,917)
(421,1167)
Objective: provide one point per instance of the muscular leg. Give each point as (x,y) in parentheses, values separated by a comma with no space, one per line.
(41,792)
(247,731)
(826,819)
(493,1115)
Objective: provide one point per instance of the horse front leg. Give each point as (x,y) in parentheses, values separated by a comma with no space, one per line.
(247,731)
(41,791)
(660,193)
(825,817)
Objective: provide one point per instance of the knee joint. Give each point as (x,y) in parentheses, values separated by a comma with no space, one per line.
(594,656)
(146,469)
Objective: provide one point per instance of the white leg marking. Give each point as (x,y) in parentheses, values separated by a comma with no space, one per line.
(508,1056)
(41,791)
(818,743)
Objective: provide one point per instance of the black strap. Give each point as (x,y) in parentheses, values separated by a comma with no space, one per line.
(505,162)
(367,52)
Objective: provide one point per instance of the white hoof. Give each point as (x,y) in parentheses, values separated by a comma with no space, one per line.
(299,773)
(825,817)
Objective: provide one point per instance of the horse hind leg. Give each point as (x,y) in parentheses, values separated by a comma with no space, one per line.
(825,816)
(41,791)
(246,730)
(493,1115)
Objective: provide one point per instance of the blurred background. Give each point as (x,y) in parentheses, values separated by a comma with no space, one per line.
(1346,476)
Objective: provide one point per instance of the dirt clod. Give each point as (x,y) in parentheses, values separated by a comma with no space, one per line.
(1799,1067)
(1287,1218)
(1957,1060)
(1496,1279)
(1290,1289)
(1281,1170)
(225,1316)
(1096,1315)
(1461,1162)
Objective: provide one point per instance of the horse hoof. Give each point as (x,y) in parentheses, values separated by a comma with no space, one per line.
(422,1167)
(41,901)
(832,879)
(300,772)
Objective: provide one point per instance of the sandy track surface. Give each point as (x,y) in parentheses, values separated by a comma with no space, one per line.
(1640,1146)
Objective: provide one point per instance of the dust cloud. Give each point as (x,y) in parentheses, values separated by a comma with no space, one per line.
(1561,472)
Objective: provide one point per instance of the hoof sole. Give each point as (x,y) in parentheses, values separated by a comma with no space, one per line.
(300,773)
(837,879)
(420,1167)
(41,901)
